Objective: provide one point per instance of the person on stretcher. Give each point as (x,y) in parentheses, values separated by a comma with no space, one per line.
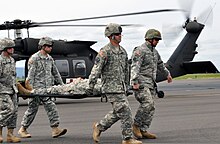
(76,87)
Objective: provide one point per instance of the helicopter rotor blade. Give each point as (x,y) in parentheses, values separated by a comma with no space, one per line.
(110,16)
(170,33)
(206,17)
(19,24)
(186,5)
(86,25)
(22,25)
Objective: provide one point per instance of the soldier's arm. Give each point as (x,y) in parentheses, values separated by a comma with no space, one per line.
(161,67)
(97,68)
(1,70)
(31,71)
(137,59)
(127,72)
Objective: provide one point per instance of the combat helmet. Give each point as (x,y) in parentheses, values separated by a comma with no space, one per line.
(6,43)
(153,33)
(112,28)
(45,41)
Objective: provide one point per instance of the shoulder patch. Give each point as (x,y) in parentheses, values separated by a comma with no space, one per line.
(137,53)
(102,53)
(30,61)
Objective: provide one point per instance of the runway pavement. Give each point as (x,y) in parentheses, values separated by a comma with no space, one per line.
(189,114)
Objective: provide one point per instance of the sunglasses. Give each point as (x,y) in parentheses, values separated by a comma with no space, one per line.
(8,48)
(117,34)
(156,39)
(48,45)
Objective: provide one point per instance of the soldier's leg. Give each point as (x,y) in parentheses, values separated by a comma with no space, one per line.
(31,112)
(51,109)
(123,111)
(11,138)
(109,119)
(6,109)
(53,116)
(12,122)
(78,86)
(144,115)
(145,112)
(56,89)
(103,125)
(98,127)
(29,116)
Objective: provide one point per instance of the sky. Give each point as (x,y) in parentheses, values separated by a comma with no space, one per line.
(47,10)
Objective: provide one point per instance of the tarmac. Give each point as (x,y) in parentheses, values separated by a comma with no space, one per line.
(188,114)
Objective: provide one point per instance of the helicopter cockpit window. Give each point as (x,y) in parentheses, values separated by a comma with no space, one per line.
(79,68)
(63,67)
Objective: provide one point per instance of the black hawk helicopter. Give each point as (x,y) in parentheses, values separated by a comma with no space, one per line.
(76,58)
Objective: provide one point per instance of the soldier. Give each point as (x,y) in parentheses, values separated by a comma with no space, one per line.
(8,90)
(145,62)
(111,64)
(42,73)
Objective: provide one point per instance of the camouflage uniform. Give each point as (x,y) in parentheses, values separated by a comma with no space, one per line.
(42,73)
(8,92)
(145,63)
(111,65)
(78,86)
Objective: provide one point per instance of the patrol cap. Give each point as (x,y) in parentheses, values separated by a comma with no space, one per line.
(45,41)
(6,43)
(153,34)
(112,28)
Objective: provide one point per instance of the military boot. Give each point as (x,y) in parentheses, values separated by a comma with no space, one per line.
(22,90)
(1,138)
(11,138)
(56,132)
(131,141)
(148,135)
(137,131)
(23,133)
(96,133)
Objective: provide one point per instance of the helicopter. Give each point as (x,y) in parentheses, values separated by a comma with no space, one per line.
(76,58)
